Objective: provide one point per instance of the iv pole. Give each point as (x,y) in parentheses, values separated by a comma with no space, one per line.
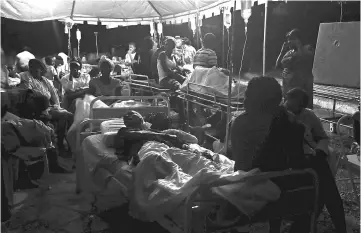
(229,117)
(96,42)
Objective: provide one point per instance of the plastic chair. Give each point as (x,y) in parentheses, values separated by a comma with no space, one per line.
(350,161)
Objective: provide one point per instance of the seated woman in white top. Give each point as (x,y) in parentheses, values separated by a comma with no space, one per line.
(75,84)
(168,71)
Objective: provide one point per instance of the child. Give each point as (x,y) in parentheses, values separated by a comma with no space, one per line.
(315,136)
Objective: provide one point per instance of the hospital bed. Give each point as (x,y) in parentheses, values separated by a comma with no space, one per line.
(107,169)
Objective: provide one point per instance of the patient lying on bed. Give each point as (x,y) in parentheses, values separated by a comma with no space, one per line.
(130,140)
(169,166)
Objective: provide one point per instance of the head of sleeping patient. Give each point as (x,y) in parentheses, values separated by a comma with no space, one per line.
(133,120)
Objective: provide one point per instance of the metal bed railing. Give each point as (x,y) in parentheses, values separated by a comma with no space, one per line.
(193,200)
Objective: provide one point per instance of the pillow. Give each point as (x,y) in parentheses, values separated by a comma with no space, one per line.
(111,125)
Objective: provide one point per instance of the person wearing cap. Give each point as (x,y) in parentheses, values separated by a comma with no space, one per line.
(296,60)
(75,84)
(34,80)
(206,56)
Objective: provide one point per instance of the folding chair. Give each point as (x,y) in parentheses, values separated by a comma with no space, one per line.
(350,161)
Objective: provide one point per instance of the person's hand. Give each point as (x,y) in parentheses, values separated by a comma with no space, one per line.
(225,71)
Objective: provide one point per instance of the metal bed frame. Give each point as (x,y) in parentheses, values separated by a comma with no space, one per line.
(192,201)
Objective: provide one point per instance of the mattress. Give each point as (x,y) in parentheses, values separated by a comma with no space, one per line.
(101,161)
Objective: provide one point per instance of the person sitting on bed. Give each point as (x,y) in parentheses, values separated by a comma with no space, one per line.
(168,71)
(268,137)
(105,85)
(75,84)
(206,57)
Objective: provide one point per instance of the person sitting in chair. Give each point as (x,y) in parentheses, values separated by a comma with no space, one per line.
(75,84)
(267,136)
(34,80)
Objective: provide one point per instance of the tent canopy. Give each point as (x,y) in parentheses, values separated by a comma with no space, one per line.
(122,12)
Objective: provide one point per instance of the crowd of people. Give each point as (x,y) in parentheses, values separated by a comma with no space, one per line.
(269,123)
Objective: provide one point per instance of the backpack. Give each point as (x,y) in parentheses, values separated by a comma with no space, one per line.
(283,147)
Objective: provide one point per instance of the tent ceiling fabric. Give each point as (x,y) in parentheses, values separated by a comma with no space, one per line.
(121,12)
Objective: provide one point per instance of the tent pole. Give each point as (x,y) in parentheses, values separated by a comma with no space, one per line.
(230,80)
(223,55)
(264,38)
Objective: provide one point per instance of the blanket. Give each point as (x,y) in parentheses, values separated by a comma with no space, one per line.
(166,176)
(214,82)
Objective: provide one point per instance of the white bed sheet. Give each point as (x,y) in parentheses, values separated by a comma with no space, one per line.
(98,157)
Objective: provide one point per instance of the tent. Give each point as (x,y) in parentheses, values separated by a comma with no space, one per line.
(113,12)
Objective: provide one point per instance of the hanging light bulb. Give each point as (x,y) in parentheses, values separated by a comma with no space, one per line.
(193,24)
(78,34)
(151,25)
(246,11)
(227,18)
(160,28)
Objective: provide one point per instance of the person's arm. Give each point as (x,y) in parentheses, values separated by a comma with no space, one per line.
(243,160)
(24,81)
(92,88)
(162,57)
(319,135)
(54,99)
(66,83)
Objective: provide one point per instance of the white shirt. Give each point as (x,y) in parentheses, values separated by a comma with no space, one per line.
(23,58)
(50,72)
(76,84)
(129,57)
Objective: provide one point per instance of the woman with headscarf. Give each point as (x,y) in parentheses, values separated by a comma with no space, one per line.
(105,85)
(35,81)
(296,59)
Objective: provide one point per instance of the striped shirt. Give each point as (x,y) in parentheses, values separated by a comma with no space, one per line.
(205,57)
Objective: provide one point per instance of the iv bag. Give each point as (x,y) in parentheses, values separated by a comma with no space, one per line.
(227,18)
